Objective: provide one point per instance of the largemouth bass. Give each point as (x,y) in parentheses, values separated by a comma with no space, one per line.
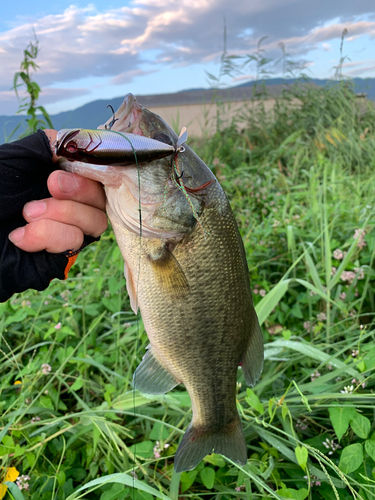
(186,270)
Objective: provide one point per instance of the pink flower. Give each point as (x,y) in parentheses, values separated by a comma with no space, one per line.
(307,326)
(360,233)
(321,317)
(338,254)
(58,326)
(262,293)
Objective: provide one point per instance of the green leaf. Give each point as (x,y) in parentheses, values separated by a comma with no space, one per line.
(340,418)
(215,459)
(208,477)
(143,449)
(116,492)
(370,448)
(15,491)
(77,384)
(187,479)
(159,432)
(316,354)
(361,425)
(302,455)
(293,494)
(253,401)
(270,301)
(351,458)
(121,478)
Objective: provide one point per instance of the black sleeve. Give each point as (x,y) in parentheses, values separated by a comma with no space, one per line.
(25,166)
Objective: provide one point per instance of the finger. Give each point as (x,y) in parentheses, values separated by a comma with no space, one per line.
(46,234)
(64,185)
(88,219)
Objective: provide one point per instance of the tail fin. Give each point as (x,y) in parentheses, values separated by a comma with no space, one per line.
(196,444)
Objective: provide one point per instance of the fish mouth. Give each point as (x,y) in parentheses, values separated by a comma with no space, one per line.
(128,116)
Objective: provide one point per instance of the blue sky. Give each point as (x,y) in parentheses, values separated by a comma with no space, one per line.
(101,50)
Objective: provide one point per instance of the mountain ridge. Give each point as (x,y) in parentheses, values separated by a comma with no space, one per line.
(95,112)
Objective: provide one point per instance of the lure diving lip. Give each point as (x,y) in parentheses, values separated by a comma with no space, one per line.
(109,147)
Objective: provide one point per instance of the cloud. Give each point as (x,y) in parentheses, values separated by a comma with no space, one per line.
(124,43)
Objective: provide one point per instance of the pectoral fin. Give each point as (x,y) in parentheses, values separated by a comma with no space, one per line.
(252,362)
(151,377)
(169,271)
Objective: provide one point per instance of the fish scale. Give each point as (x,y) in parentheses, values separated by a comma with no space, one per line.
(192,288)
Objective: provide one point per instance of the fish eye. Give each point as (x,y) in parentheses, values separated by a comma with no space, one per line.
(161,137)
(71,147)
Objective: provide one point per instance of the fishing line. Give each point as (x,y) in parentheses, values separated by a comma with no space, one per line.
(138,276)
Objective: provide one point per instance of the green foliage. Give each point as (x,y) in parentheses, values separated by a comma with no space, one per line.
(28,104)
(301,183)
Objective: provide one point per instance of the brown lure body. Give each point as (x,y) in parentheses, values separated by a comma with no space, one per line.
(108,147)
(192,286)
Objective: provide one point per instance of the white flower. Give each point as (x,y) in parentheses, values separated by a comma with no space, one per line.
(23,482)
(347,390)
(46,368)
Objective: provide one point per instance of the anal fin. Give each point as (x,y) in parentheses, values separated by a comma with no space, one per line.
(252,361)
(151,377)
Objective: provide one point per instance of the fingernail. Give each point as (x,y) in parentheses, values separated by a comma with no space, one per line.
(17,235)
(67,182)
(35,209)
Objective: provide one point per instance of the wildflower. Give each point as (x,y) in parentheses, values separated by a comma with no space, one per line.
(314,480)
(307,326)
(359,272)
(158,449)
(264,211)
(262,293)
(343,296)
(338,379)
(240,488)
(331,445)
(348,389)
(215,161)
(301,424)
(17,382)
(46,302)
(355,353)
(321,317)
(58,326)
(11,475)
(315,375)
(338,254)
(329,368)
(312,293)
(360,233)
(333,270)
(276,223)
(348,276)
(35,419)
(255,291)
(26,303)
(23,483)
(46,369)
(134,474)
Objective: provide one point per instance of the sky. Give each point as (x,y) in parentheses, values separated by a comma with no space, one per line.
(106,49)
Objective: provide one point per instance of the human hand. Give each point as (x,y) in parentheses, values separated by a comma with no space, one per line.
(57,224)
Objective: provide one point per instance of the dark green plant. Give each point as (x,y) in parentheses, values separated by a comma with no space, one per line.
(28,104)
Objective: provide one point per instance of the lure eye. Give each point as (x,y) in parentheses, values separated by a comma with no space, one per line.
(161,137)
(71,147)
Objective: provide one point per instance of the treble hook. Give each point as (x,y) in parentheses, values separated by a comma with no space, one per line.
(112,122)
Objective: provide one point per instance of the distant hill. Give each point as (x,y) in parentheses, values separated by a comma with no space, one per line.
(96,112)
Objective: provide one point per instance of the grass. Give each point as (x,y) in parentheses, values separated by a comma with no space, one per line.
(301,183)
